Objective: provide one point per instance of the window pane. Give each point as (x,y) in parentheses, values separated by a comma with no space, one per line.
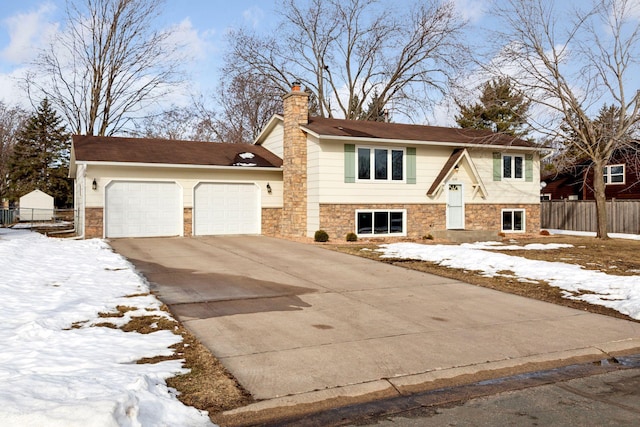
(381,164)
(506,166)
(365,222)
(617,178)
(517,221)
(606,178)
(396,165)
(381,222)
(364,163)
(617,170)
(518,167)
(507,221)
(396,222)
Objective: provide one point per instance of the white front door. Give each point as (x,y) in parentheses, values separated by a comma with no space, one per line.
(455,207)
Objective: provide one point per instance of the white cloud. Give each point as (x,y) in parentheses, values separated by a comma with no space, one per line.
(471,10)
(253,16)
(27,32)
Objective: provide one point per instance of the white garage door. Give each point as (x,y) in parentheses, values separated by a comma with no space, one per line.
(221,208)
(142,209)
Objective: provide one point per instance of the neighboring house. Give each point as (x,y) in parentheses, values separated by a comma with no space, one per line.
(36,206)
(308,173)
(621,177)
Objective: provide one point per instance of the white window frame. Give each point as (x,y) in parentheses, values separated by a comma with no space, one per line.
(608,175)
(513,167)
(372,168)
(524,220)
(388,211)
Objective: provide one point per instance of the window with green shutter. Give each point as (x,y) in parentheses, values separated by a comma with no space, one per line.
(411,165)
(349,163)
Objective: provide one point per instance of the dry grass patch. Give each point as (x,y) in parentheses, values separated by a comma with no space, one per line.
(208,386)
(613,256)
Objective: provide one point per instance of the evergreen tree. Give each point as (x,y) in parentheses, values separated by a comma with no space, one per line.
(40,157)
(502,108)
(375,109)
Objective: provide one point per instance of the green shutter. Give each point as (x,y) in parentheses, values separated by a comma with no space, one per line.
(411,165)
(528,167)
(349,163)
(497,166)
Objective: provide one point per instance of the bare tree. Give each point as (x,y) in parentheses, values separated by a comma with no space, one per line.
(189,123)
(345,51)
(246,105)
(570,69)
(12,120)
(107,64)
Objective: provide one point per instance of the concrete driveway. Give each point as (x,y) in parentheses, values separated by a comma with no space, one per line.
(295,320)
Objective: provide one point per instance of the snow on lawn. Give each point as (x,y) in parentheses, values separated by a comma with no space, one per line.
(56,375)
(622,293)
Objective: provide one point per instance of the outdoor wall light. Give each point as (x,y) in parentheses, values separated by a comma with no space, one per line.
(456,168)
(268,188)
(94,185)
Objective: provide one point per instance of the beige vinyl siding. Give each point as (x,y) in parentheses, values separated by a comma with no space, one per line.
(186,178)
(429,162)
(507,191)
(274,141)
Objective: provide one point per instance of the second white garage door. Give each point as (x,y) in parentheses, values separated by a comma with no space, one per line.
(226,208)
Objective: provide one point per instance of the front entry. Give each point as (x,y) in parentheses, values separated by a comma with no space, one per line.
(455,207)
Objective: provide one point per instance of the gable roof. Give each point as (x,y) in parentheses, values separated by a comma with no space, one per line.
(456,157)
(340,129)
(165,151)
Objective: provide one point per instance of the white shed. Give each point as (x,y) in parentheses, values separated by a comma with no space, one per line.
(36,206)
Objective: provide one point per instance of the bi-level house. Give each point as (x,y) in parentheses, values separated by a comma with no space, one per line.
(306,173)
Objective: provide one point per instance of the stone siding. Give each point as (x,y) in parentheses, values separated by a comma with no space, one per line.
(489,217)
(93,223)
(422,219)
(188,222)
(338,220)
(271,219)
(294,165)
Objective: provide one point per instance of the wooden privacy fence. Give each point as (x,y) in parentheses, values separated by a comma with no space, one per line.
(623,216)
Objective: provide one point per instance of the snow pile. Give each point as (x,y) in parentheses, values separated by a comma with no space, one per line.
(55,374)
(593,234)
(502,247)
(621,293)
(247,155)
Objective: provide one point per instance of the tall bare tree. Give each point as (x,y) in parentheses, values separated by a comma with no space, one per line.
(12,120)
(570,68)
(107,64)
(344,51)
(189,123)
(247,103)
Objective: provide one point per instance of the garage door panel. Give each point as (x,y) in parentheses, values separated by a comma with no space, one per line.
(226,208)
(142,209)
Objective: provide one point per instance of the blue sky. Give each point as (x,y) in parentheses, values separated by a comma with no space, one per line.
(26,24)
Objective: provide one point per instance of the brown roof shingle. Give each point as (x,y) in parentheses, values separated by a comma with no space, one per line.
(398,131)
(142,150)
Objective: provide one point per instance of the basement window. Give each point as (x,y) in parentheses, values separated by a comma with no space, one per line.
(513,220)
(381,223)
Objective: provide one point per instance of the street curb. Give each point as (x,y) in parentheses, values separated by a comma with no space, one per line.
(276,411)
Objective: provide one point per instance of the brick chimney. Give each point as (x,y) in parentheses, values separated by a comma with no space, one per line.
(294,163)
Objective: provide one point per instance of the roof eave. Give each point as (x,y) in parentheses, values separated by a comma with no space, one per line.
(322,137)
(272,123)
(176,165)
